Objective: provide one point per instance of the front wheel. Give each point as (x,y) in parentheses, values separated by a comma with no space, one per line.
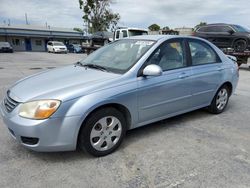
(220,100)
(103,132)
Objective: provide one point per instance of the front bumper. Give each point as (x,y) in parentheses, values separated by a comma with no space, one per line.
(10,50)
(61,50)
(53,134)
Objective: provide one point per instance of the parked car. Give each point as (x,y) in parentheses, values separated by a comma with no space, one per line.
(123,85)
(56,47)
(225,36)
(6,47)
(75,48)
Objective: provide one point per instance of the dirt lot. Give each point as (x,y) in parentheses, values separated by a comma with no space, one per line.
(192,150)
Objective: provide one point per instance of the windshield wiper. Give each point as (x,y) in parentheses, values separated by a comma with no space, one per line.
(93,66)
(78,63)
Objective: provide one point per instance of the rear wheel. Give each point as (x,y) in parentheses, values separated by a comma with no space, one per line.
(103,132)
(240,45)
(220,100)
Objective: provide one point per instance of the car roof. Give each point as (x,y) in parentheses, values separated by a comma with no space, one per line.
(215,24)
(150,37)
(54,41)
(160,37)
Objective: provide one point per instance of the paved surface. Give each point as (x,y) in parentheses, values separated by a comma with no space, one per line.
(192,150)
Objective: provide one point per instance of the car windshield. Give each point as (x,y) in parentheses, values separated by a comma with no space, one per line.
(119,56)
(137,32)
(4,44)
(240,28)
(58,44)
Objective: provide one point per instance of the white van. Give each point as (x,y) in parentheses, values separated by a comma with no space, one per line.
(56,47)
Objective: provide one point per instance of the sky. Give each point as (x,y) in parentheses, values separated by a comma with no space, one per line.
(134,13)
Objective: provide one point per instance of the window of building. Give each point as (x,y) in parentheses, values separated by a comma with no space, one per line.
(38,42)
(16,42)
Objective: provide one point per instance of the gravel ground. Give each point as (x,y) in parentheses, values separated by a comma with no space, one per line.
(196,149)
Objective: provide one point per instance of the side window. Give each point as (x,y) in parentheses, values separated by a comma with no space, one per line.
(117,34)
(169,55)
(124,33)
(202,29)
(201,53)
(212,29)
(225,29)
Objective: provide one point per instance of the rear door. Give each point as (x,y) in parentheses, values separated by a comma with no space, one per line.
(222,36)
(206,72)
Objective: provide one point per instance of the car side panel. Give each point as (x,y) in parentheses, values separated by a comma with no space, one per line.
(206,79)
(163,95)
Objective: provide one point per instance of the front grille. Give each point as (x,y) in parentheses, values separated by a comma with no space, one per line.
(9,103)
(62,48)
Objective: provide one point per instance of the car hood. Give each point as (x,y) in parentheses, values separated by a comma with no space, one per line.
(63,83)
(59,46)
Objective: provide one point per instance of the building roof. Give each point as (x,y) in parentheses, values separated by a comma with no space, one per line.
(38,31)
(38,27)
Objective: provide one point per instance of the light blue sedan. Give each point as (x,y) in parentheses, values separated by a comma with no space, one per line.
(126,84)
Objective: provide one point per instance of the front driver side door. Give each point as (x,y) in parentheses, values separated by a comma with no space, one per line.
(168,94)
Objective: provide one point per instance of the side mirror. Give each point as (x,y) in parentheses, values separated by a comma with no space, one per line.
(231,32)
(152,70)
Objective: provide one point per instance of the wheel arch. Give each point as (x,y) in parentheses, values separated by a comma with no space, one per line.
(229,86)
(240,38)
(121,108)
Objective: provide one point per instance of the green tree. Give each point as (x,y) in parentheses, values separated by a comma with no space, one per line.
(78,29)
(166,28)
(154,27)
(98,15)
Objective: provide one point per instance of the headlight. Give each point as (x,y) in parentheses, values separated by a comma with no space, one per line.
(42,109)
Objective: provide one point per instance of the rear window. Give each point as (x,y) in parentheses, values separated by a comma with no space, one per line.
(208,29)
(202,53)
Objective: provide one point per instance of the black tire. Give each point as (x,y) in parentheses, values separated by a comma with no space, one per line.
(105,42)
(213,108)
(239,64)
(84,138)
(240,45)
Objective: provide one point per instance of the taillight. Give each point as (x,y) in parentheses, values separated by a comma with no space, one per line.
(238,68)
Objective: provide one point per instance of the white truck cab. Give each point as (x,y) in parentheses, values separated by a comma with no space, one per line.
(128,32)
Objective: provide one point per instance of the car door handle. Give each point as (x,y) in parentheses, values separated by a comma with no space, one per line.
(183,75)
(220,68)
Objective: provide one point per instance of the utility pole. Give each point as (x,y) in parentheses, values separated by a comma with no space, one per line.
(26,19)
